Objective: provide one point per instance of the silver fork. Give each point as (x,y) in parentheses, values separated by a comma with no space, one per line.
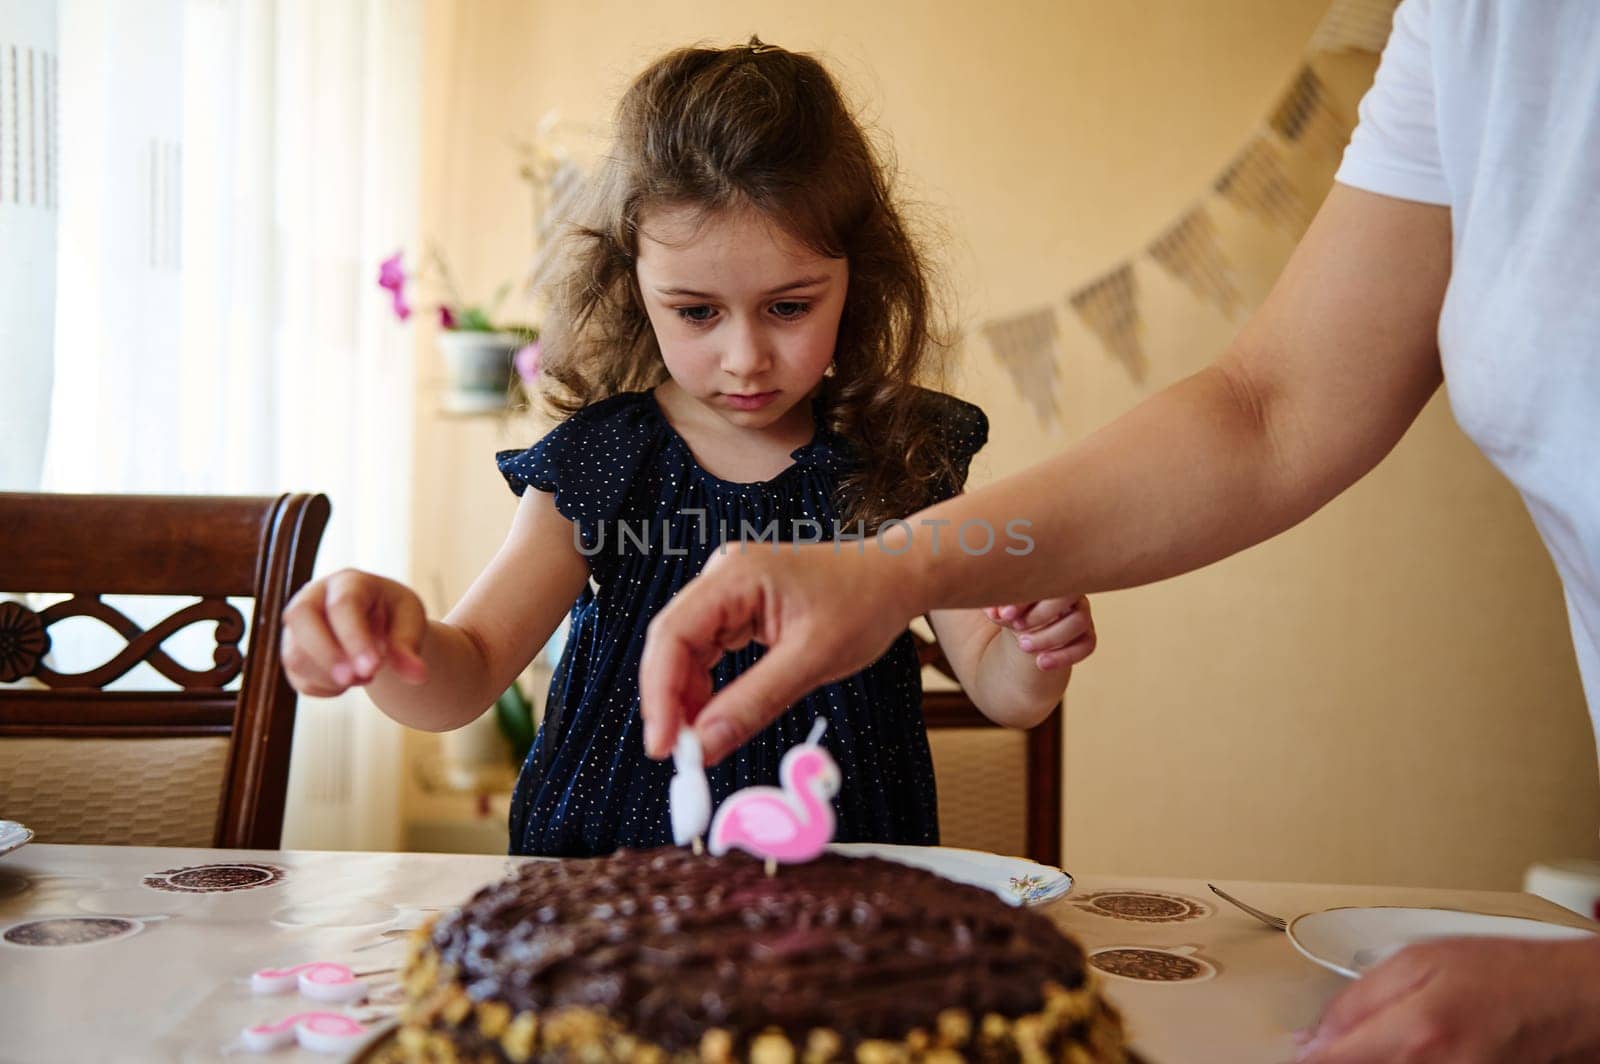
(1277,923)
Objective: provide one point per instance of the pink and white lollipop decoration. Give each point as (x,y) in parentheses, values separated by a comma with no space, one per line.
(791,824)
(318,980)
(320,1032)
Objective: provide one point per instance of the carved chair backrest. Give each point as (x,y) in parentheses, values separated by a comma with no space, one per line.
(102,763)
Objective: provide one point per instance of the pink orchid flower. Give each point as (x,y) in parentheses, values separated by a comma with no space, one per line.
(390,273)
(392,279)
(447,317)
(527,362)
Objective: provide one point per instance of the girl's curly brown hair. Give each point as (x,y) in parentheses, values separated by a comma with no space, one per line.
(758,126)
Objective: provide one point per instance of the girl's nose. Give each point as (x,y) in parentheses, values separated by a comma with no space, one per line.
(748,353)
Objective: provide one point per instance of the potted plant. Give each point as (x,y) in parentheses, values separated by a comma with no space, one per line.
(481,354)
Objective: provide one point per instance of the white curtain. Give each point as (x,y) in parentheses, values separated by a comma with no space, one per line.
(28,199)
(233,171)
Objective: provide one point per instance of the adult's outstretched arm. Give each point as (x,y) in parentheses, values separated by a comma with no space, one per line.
(1319,385)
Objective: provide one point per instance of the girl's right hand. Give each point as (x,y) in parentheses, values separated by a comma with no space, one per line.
(341,631)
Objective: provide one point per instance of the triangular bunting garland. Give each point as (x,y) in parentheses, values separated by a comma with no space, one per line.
(1354,25)
(1190,251)
(1257,182)
(1109,306)
(1306,116)
(1028,346)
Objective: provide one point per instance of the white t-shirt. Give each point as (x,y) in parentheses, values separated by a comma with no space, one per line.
(1492,107)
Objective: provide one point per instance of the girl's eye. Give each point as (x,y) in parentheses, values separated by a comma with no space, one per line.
(790,309)
(697,315)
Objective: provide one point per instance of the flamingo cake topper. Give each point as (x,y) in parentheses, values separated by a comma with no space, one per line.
(791,824)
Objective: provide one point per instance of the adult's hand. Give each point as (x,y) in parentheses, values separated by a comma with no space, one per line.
(1468,1000)
(822,611)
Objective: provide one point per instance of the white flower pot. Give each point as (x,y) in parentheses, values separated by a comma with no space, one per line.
(478,368)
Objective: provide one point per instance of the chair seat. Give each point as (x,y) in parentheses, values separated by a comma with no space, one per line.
(135,792)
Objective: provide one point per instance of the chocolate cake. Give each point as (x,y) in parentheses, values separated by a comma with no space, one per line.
(662,955)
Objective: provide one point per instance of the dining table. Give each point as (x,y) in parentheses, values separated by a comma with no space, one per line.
(128,953)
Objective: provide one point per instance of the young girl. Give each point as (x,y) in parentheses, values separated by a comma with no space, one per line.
(734,343)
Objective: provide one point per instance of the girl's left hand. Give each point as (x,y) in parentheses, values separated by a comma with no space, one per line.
(1058,632)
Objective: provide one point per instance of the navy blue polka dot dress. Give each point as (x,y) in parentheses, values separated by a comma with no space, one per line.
(629,483)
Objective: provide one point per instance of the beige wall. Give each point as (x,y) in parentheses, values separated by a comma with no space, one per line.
(1384,694)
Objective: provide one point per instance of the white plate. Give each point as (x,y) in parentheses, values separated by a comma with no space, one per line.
(1349,941)
(12,835)
(1012,879)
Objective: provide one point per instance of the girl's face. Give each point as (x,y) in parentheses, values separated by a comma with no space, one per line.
(746,317)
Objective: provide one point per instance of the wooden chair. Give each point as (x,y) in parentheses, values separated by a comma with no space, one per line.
(986,772)
(204,764)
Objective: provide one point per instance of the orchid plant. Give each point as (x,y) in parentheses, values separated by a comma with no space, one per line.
(454,313)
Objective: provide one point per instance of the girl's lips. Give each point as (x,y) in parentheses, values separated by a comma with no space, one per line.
(753,401)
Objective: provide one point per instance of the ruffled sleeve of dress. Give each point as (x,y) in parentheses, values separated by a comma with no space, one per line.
(966,430)
(590,462)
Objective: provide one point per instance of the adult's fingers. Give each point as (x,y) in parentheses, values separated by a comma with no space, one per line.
(682,643)
(663,671)
(1400,1029)
(1400,976)
(820,614)
(757,698)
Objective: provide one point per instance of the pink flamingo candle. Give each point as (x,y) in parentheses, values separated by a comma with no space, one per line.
(791,824)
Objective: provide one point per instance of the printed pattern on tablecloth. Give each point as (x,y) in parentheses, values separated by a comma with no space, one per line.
(215,878)
(70,931)
(1143,906)
(1153,964)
